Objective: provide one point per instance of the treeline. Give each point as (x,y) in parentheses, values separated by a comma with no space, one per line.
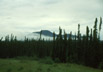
(86,49)
(82,49)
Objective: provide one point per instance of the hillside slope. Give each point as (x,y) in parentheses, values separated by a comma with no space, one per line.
(13,65)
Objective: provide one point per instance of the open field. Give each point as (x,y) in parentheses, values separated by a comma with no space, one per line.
(15,65)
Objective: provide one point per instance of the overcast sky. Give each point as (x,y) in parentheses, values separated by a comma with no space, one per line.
(24,16)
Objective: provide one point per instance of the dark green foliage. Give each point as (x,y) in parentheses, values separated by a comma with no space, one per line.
(100,24)
(40,34)
(54,47)
(49,70)
(95,30)
(101,65)
(86,49)
(87,33)
(91,36)
(9,70)
(39,69)
(78,32)
(46,60)
(1,38)
(21,68)
(57,60)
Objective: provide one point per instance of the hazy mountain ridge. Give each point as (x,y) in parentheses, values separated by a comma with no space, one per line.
(49,33)
(46,33)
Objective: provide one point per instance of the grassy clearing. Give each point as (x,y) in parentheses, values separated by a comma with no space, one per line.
(13,65)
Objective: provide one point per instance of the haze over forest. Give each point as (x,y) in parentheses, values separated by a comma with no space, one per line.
(21,17)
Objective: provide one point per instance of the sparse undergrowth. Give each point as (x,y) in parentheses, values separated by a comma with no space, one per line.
(46,60)
(13,65)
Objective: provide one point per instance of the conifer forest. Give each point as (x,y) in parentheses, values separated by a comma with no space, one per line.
(80,49)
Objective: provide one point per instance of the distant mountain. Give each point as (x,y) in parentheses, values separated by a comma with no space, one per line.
(46,33)
(49,33)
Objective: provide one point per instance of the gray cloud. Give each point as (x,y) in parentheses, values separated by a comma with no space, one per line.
(48,2)
(29,15)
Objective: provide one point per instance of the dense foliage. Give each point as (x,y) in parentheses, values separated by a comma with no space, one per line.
(86,49)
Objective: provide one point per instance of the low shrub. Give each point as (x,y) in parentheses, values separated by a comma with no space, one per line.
(57,60)
(101,65)
(27,58)
(21,68)
(9,70)
(46,60)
